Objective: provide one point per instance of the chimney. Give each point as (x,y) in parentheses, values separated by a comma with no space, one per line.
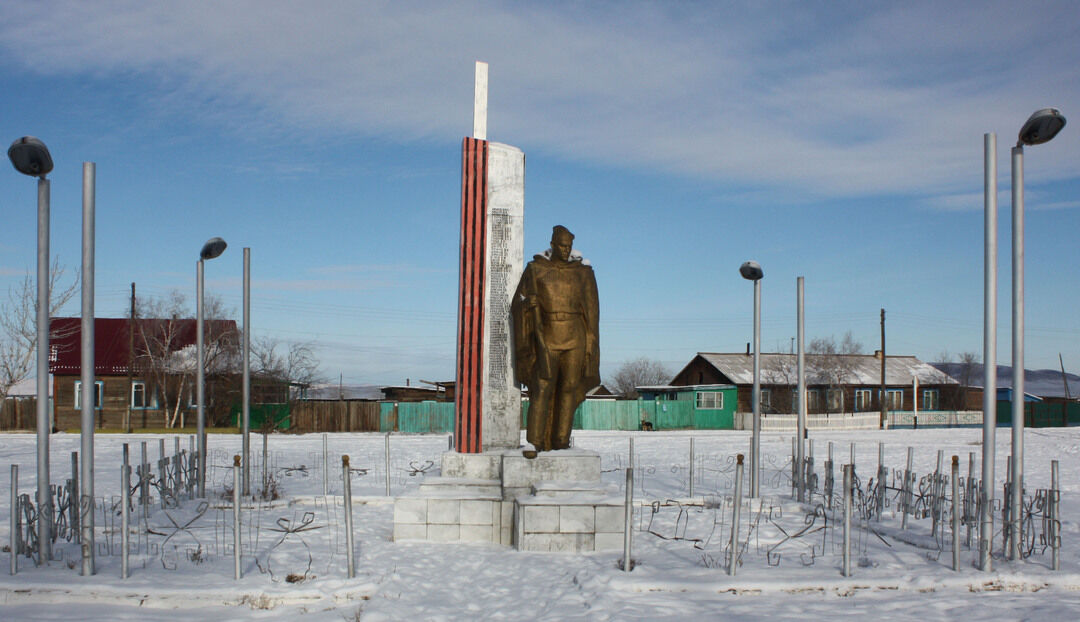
(877,354)
(747,348)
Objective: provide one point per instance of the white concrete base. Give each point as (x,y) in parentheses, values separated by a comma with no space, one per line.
(554,502)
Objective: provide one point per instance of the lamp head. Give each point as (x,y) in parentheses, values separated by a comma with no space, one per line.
(212,248)
(751,271)
(1042,126)
(30,156)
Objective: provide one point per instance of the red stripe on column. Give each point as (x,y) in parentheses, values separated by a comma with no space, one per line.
(468,398)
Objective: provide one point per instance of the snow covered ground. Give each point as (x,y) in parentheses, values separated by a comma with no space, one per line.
(294,561)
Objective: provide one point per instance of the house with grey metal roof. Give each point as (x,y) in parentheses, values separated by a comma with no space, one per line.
(835,382)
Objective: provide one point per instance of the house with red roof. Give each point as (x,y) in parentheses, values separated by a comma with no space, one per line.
(143,369)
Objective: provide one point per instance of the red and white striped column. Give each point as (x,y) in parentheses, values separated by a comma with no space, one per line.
(487,400)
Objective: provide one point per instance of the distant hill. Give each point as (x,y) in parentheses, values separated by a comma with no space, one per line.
(1041,382)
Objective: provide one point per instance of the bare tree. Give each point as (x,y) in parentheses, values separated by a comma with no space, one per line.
(164,324)
(834,364)
(292,362)
(283,368)
(638,372)
(967,362)
(18,325)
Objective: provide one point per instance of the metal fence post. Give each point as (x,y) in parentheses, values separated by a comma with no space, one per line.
(325,467)
(13,536)
(691,467)
(386,452)
(847,519)
(829,479)
(236,516)
(628,518)
(956,508)
(143,465)
(73,508)
(265,472)
(883,476)
(905,492)
(350,554)
(125,514)
(733,544)
(1055,517)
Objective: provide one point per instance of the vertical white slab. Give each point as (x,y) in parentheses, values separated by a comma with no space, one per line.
(480,101)
(501,415)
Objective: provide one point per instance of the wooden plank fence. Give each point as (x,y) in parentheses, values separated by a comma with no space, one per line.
(18,413)
(339,416)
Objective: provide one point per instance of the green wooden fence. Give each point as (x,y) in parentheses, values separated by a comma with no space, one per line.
(1041,415)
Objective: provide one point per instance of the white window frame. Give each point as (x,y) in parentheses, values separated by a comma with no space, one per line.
(892,403)
(834,400)
(766,399)
(931,399)
(99,394)
(145,401)
(864,400)
(814,400)
(709,400)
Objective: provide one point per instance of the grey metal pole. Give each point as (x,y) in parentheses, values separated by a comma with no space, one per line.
(125,517)
(200,382)
(1055,517)
(13,529)
(1017,349)
(73,509)
(847,519)
(326,468)
(733,544)
(801,417)
(628,520)
(247,372)
(236,516)
(347,493)
(89,394)
(691,467)
(44,494)
(755,452)
(265,468)
(990,257)
(386,452)
(956,509)
(906,491)
(144,477)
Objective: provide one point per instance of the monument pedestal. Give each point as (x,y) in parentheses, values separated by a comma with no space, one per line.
(554,502)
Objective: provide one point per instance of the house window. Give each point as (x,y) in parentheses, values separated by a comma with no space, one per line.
(895,399)
(766,399)
(707,400)
(138,395)
(863,400)
(99,388)
(836,400)
(931,399)
(814,400)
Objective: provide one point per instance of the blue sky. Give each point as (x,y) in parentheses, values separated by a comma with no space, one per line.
(842,142)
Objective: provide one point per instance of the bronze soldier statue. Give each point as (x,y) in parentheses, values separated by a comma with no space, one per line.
(557,343)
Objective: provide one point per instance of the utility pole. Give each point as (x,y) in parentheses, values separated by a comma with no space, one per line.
(884,409)
(131,361)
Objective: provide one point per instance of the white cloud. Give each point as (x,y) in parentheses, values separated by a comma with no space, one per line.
(830,100)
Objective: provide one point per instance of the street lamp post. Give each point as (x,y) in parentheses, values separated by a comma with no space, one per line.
(246,390)
(1041,127)
(751,270)
(213,248)
(31,157)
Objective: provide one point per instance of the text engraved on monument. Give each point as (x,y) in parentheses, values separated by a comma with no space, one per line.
(498,312)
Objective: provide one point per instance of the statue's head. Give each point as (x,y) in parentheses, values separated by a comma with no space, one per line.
(562,242)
